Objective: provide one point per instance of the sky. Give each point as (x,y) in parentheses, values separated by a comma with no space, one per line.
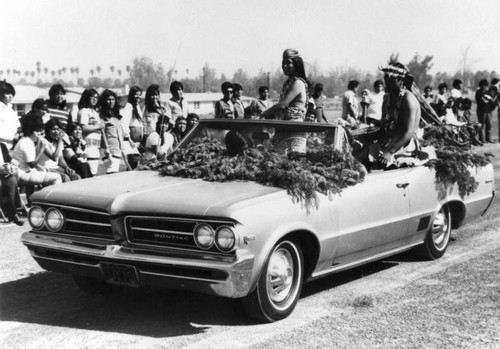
(228,35)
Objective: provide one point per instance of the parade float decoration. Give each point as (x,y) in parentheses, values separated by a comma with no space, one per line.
(454,158)
(324,169)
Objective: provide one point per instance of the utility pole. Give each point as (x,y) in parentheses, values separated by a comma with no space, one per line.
(204,79)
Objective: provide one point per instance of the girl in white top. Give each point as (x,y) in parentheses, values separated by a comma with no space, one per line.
(92,127)
(132,117)
(162,145)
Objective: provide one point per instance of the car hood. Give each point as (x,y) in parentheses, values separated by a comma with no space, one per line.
(148,192)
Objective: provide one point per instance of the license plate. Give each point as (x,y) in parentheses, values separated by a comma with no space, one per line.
(120,274)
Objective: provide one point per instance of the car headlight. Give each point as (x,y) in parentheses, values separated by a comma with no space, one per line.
(204,236)
(225,239)
(36,217)
(54,219)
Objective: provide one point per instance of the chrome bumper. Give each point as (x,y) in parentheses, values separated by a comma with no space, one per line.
(227,279)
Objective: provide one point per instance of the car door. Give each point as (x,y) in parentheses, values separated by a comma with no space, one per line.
(372,216)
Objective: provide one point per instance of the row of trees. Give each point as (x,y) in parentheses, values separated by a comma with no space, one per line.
(144,72)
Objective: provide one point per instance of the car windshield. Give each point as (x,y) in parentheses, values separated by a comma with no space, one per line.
(286,138)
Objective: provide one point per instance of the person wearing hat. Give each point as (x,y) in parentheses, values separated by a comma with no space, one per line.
(293,98)
(9,122)
(400,114)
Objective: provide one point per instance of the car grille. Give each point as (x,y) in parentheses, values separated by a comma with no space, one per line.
(165,232)
(83,222)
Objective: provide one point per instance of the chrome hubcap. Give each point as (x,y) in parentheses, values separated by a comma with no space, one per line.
(280,275)
(440,230)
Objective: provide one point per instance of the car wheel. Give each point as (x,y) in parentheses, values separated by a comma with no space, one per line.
(438,236)
(279,285)
(94,286)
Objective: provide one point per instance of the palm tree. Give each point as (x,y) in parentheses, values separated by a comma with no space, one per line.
(53,73)
(8,71)
(32,74)
(77,71)
(187,73)
(92,72)
(128,69)
(63,69)
(112,68)
(38,69)
(72,71)
(119,71)
(98,69)
(45,71)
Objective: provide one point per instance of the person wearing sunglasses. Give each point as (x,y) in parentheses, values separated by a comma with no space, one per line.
(224,109)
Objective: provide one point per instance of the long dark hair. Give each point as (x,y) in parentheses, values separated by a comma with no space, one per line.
(151,90)
(115,112)
(85,98)
(131,100)
(131,94)
(318,89)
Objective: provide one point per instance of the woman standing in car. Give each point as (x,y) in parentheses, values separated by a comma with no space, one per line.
(293,99)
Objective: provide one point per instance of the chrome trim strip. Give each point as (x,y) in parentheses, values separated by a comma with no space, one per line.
(88,222)
(179,277)
(162,231)
(342,267)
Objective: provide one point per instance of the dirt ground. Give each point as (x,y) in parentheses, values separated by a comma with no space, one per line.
(400,302)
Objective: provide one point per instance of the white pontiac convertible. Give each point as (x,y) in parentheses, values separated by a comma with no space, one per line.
(242,239)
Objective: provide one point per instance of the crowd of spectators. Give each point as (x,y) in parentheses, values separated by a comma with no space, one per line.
(47,146)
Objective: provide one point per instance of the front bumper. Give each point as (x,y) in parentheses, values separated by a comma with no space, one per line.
(222,278)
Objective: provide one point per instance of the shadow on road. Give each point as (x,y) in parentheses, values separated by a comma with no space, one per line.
(53,299)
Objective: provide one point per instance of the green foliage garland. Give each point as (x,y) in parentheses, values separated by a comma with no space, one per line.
(325,170)
(453,162)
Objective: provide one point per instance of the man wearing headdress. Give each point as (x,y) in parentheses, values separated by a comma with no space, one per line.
(400,114)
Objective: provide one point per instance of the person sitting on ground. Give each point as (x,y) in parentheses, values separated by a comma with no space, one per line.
(259,105)
(9,198)
(74,153)
(192,120)
(52,158)
(160,143)
(224,108)
(27,154)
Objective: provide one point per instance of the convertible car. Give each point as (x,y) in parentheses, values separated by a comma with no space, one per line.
(242,239)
